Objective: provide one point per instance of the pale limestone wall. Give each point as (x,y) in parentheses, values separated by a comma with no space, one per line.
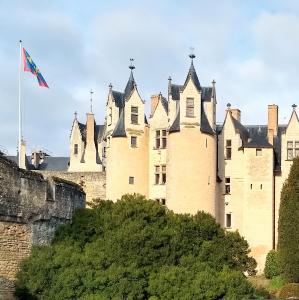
(76,138)
(234,168)
(191,171)
(258,203)
(156,156)
(93,183)
(111,108)
(123,162)
(172,108)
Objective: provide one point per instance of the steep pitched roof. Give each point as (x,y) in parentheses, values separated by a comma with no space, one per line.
(118,98)
(192,74)
(130,86)
(175,127)
(175,90)
(207,94)
(120,130)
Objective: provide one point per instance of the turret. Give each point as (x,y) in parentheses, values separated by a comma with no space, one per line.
(191,149)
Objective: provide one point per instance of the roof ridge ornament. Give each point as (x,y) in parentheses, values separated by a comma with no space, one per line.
(192,55)
(294,106)
(131,66)
(91,92)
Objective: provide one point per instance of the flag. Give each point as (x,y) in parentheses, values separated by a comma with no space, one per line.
(30,66)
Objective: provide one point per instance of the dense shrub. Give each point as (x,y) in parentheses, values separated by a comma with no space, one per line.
(288,226)
(290,290)
(136,249)
(271,266)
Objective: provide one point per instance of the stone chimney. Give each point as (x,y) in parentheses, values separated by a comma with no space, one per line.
(37,158)
(272,122)
(22,155)
(90,150)
(236,113)
(154,103)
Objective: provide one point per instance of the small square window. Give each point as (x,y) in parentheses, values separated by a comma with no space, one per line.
(163,201)
(133,141)
(131,180)
(258,152)
(290,144)
(227,185)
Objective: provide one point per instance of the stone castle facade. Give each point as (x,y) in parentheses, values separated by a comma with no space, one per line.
(180,157)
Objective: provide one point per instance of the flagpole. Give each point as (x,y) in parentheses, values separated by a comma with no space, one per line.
(20,107)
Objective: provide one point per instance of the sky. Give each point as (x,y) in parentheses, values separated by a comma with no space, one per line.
(250,48)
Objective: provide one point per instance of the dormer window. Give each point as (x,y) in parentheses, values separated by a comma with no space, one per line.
(134,115)
(190,107)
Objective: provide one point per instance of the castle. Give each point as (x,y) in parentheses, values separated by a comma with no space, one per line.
(180,157)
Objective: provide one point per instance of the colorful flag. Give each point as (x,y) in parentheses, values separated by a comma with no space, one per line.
(30,66)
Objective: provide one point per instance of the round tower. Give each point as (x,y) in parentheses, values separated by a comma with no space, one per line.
(191,152)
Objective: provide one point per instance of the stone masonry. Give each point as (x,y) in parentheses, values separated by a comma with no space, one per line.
(31,208)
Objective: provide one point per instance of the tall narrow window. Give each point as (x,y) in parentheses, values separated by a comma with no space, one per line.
(131,180)
(163,174)
(133,141)
(228,220)
(297,148)
(76,149)
(164,139)
(190,107)
(158,141)
(134,114)
(228,149)
(157,174)
(227,185)
(290,150)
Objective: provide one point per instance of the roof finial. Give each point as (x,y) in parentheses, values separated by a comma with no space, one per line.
(132,67)
(294,106)
(91,92)
(213,82)
(228,105)
(110,86)
(76,114)
(191,55)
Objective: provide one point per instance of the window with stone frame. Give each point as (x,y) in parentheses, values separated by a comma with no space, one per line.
(160,174)
(259,152)
(161,139)
(228,220)
(292,149)
(131,180)
(133,141)
(190,107)
(134,114)
(227,185)
(161,200)
(228,149)
(75,149)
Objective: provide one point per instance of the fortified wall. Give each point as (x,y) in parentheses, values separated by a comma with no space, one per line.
(31,208)
(93,183)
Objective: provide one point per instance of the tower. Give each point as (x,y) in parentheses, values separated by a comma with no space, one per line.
(127,143)
(191,149)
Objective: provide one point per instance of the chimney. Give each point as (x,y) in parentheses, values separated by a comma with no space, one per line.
(236,113)
(90,130)
(22,155)
(154,103)
(36,158)
(272,122)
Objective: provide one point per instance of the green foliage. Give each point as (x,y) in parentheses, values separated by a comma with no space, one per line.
(276,283)
(136,249)
(271,266)
(289,290)
(288,226)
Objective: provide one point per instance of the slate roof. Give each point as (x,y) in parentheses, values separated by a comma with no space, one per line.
(175,91)
(50,163)
(164,104)
(175,127)
(192,74)
(118,98)
(120,130)
(98,131)
(207,93)
(130,86)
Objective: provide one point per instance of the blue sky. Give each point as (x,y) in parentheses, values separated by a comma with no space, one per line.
(249,47)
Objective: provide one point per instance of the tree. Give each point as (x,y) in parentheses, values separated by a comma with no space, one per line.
(288,226)
(125,250)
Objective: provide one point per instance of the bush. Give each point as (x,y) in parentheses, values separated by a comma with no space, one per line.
(288,226)
(137,249)
(290,290)
(271,266)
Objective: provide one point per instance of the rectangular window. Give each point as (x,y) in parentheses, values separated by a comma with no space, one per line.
(163,201)
(76,149)
(290,150)
(227,185)
(131,180)
(228,149)
(163,174)
(133,141)
(190,107)
(157,174)
(161,139)
(228,220)
(134,114)
(258,152)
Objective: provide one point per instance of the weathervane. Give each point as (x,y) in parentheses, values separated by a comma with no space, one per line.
(191,55)
(91,92)
(132,67)
(75,113)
